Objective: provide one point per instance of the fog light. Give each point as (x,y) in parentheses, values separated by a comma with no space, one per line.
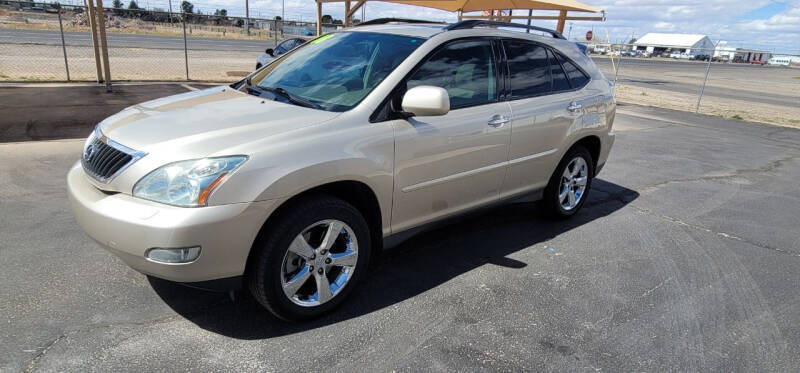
(173,256)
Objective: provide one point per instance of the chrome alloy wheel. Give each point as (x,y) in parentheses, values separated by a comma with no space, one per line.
(573,183)
(327,251)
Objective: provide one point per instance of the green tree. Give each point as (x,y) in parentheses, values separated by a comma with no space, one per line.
(327,19)
(118,6)
(278,18)
(187,7)
(221,12)
(133,5)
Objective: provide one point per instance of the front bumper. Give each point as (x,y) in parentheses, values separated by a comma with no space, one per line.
(129,226)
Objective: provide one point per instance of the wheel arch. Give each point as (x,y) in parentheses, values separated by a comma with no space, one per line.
(356,193)
(593,144)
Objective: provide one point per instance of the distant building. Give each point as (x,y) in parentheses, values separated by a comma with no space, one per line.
(725,53)
(691,44)
(784,60)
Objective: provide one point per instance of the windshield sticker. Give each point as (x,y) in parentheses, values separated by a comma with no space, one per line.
(321,38)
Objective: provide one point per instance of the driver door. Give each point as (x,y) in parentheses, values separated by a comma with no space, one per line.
(450,163)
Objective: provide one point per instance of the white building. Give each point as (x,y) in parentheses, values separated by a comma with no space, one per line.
(691,44)
(723,52)
(784,60)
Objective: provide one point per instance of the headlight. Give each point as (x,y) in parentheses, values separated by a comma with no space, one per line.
(186,183)
(89,140)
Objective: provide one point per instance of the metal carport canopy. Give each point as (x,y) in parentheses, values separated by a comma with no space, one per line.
(462,6)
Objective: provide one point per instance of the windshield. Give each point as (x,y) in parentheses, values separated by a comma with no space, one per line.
(336,71)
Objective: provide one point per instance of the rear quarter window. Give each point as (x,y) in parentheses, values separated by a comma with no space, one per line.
(575,75)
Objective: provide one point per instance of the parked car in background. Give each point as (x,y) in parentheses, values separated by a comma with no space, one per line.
(270,54)
(702,57)
(758,62)
(286,182)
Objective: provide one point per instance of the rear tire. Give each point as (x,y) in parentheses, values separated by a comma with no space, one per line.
(568,188)
(317,243)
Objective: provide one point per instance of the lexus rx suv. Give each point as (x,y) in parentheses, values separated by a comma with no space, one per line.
(286,182)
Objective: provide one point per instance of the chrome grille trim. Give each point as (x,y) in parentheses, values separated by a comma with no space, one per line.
(103,159)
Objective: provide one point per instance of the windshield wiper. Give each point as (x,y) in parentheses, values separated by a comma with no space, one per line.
(292,98)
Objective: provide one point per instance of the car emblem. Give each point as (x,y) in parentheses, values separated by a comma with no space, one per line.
(89,153)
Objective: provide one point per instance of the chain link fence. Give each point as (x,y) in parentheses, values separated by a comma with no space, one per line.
(736,83)
(51,42)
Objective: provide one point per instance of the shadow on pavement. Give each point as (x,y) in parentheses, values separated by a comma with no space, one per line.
(416,266)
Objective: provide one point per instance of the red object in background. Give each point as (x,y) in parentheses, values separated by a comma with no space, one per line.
(589,35)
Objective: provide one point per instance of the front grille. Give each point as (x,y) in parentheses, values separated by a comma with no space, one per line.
(103,159)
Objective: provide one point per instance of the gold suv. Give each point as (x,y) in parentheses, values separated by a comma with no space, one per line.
(286,182)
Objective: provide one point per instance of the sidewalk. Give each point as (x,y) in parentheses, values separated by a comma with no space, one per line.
(70,110)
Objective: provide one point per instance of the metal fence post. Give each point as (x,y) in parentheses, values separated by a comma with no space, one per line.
(185,49)
(703,88)
(619,62)
(63,44)
(276,32)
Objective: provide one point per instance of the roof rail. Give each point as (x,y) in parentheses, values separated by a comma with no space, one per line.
(383,21)
(472,23)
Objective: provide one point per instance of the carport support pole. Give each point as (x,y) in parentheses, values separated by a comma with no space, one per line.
(101,22)
(185,48)
(703,88)
(530,15)
(63,44)
(93,26)
(319,20)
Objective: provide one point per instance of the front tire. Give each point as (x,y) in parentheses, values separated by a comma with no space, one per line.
(310,260)
(569,186)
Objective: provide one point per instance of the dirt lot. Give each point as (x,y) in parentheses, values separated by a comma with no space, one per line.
(765,94)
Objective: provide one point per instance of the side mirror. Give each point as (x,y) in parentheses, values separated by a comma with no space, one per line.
(426,100)
(270,52)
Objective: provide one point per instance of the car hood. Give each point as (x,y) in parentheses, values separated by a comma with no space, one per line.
(206,122)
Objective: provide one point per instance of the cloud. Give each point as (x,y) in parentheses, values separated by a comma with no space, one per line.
(720,19)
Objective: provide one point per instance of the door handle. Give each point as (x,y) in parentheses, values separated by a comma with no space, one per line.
(498,121)
(574,106)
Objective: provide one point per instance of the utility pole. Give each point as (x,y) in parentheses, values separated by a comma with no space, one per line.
(283,10)
(101,23)
(95,42)
(170,11)
(247,16)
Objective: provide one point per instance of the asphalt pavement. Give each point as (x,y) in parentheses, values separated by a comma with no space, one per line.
(686,258)
(31,112)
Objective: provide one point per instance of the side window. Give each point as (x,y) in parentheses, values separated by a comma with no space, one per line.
(281,48)
(560,82)
(528,69)
(577,77)
(465,69)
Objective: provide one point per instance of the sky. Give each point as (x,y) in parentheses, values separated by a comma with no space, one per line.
(771,25)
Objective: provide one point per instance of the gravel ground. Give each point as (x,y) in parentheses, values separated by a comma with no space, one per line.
(766,94)
(686,258)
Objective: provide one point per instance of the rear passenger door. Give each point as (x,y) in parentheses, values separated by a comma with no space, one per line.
(545,104)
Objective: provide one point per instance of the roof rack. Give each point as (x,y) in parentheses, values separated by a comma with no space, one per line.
(383,21)
(472,23)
